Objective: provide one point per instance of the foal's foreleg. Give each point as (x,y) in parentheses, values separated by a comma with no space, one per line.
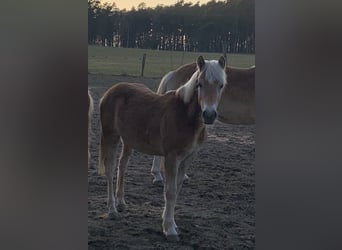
(125,153)
(183,166)
(170,188)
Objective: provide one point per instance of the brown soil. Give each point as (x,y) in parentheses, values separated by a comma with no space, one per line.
(215,210)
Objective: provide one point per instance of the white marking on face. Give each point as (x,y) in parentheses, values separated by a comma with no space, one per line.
(209,108)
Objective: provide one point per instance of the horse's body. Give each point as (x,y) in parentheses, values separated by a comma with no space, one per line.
(160,118)
(170,125)
(237,104)
(90,112)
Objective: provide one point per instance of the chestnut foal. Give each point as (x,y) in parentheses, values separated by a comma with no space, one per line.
(171,125)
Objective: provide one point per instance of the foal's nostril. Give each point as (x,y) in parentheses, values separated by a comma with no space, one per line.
(209,115)
(214,114)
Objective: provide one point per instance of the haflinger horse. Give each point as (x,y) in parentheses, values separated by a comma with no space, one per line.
(90,112)
(171,125)
(236,106)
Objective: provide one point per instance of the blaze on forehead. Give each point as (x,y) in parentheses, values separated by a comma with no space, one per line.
(214,72)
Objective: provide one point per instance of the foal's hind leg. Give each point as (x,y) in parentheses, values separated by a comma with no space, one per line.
(109,146)
(183,166)
(155,170)
(125,153)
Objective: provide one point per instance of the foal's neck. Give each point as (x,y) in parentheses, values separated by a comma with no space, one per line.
(193,110)
(187,91)
(188,94)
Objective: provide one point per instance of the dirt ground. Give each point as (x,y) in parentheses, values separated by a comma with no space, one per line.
(215,210)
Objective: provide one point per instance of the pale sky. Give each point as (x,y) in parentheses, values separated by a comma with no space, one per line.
(128,4)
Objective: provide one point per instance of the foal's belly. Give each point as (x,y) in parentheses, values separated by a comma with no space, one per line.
(143,142)
(153,144)
(147,149)
(150,133)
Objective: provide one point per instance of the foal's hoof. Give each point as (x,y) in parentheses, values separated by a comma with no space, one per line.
(172,238)
(112,216)
(121,207)
(158,182)
(109,216)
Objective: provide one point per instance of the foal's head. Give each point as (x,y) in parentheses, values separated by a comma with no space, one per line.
(210,81)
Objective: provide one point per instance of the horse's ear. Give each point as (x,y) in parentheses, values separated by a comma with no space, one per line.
(222,62)
(200,62)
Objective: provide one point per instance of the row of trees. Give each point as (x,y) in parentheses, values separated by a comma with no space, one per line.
(212,27)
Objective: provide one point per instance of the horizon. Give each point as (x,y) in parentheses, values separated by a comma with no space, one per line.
(128,5)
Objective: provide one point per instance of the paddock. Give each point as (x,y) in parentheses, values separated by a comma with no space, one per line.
(216,208)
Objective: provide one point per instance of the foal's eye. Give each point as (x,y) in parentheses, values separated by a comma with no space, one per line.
(221,86)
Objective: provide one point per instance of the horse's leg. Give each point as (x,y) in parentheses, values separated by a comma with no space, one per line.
(183,166)
(170,188)
(125,153)
(109,146)
(155,170)
(186,177)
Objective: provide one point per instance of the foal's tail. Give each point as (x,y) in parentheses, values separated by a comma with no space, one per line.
(109,138)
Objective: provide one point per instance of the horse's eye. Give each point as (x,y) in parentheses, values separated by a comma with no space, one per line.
(199,85)
(221,86)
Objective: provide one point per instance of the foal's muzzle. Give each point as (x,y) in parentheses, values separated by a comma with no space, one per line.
(209,116)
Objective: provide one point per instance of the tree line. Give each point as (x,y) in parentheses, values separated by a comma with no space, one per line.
(213,27)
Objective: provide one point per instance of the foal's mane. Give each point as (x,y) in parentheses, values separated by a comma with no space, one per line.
(187,90)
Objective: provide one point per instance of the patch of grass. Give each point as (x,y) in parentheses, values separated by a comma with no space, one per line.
(125,61)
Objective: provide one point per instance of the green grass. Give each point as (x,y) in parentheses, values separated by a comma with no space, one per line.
(122,61)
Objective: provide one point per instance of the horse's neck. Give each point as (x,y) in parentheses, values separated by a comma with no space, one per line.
(187,91)
(193,110)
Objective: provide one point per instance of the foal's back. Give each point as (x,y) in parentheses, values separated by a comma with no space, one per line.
(145,120)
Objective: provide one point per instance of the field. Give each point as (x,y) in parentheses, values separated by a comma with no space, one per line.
(216,208)
(127,62)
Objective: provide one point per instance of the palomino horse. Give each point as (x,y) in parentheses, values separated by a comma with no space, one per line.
(90,112)
(237,104)
(169,125)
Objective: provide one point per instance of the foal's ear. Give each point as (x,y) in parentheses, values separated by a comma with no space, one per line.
(200,62)
(222,62)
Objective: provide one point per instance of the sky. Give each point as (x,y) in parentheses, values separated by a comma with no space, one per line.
(128,4)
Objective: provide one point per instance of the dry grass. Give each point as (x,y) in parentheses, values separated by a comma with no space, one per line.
(127,62)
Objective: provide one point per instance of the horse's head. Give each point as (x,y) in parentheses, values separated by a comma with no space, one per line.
(210,81)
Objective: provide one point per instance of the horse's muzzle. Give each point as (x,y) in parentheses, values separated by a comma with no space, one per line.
(209,116)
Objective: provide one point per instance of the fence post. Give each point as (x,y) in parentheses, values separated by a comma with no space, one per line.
(225,57)
(224,48)
(143,64)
